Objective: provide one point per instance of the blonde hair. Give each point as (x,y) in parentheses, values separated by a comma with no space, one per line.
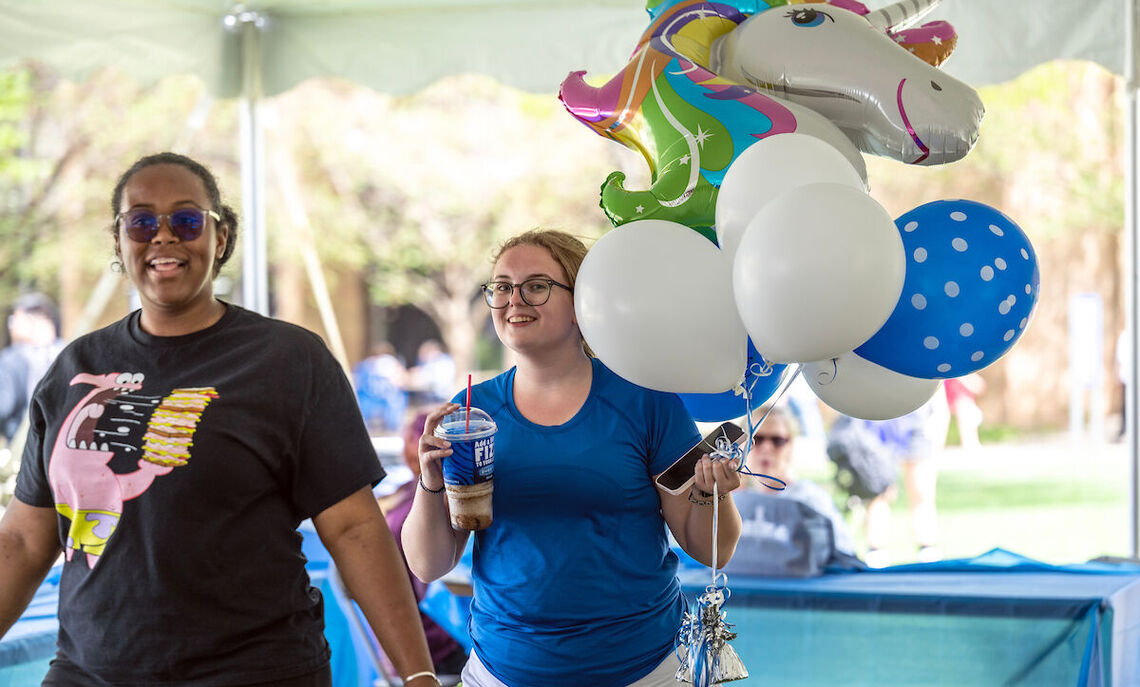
(568,251)
(778,412)
(785,454)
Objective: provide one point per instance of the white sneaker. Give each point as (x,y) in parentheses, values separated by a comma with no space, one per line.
(929,554)
(877,558)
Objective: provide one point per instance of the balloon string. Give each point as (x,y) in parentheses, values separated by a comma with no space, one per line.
(785,384)
(821,377)
(716,513)
(770,481)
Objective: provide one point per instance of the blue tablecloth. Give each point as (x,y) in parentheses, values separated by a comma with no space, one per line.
(960,623)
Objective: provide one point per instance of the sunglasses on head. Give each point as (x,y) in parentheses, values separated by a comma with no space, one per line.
(777,441)
(186,223)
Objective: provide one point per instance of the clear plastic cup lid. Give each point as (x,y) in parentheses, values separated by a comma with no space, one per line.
(456,424)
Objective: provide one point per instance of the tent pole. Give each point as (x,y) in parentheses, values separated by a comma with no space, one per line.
(255,281)
(285,171)
(1132,297)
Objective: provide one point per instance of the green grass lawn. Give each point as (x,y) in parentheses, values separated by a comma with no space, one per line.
(1046,498)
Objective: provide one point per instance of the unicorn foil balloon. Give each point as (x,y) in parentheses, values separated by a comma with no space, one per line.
(708,79)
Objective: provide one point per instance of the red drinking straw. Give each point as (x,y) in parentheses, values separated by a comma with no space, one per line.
(467,428)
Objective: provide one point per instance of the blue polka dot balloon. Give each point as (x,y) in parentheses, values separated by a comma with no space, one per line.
(970,288)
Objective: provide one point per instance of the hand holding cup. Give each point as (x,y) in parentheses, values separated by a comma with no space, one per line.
(434,449)
(458,449)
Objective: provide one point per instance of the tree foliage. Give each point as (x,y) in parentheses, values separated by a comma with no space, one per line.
(417,191)
(19,176)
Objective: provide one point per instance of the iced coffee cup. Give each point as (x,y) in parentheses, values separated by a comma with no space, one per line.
(468,471)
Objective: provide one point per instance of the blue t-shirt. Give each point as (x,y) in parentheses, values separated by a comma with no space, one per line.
(574,582)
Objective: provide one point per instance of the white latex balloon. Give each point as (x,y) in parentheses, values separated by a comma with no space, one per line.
(818,271)
(858,387)
(654,301)
(768,168)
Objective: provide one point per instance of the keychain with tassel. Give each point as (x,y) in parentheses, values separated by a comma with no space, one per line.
(703,646)
(702,643)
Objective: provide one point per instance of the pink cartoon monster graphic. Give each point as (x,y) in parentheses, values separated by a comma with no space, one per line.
(87,492)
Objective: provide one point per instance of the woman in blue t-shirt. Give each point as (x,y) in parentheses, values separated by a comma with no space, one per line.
(574,582)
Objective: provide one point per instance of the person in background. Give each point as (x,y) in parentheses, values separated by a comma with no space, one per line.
(380,380)
(171,458)
(33,328)
(574,581)
(916,440)
(773,453)
(433,376)
(447,655)
(961,395)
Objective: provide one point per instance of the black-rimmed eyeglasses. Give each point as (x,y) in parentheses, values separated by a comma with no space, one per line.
(186,223)
(534,291)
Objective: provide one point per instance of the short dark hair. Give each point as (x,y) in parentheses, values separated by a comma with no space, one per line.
(229,216)
(36,303)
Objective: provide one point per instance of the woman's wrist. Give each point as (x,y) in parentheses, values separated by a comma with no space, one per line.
(700,497)
(429,489)
(425,677)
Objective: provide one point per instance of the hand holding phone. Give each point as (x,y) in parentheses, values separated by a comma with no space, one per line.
(679,476)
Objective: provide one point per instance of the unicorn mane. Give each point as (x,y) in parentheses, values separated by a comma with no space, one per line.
(656,7)
(687,121)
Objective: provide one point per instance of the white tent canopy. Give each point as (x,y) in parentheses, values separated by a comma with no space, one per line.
(395,46)
(398,46)
(997,41)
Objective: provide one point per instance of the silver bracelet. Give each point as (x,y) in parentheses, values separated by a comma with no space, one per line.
(707,497)
(423,673)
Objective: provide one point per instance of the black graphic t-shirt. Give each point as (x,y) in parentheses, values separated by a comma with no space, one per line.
(180,468)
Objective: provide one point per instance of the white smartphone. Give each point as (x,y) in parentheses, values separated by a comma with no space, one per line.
(679,476)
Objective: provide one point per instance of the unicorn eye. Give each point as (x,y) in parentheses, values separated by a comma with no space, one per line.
(808,18)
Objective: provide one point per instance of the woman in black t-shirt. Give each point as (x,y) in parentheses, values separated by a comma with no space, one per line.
(171,457)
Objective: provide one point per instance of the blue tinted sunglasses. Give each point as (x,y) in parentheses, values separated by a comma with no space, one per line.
(187,223)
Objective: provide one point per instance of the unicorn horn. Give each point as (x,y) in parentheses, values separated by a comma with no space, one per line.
(901,14)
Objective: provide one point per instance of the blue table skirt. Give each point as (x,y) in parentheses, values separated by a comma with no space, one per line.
(30,644)
(807,640)
(998,619)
